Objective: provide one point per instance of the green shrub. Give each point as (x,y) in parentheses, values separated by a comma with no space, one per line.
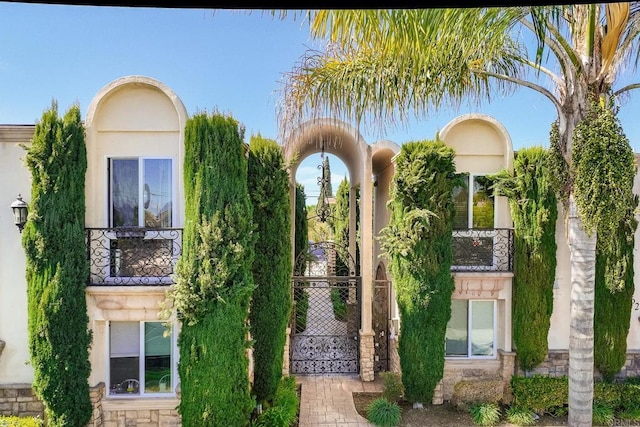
(533,206)
(383,413)
(275,416)
(301,298)
(629,394)
(214,280)
(392,389)
(607,394)
(630,414)
(467,393)
(540,394)
(520,416)
(418,243)
(20,422)
(339,306)
(57,268)
(485,414)
(268,184)
(301,226)
(287,397)
(602,415)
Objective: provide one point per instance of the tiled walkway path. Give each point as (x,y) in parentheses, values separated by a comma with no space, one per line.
(326,400)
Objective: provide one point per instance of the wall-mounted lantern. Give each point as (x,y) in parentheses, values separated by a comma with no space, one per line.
(20,210)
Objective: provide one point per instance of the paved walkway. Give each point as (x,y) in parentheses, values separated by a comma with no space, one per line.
(326,400)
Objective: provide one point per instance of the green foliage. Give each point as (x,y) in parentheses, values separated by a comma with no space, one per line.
(57,268)
(384,413)
(301,240)
(539,393)
(629,395)
(602,415)
(485,414)
(301,300)
(418,243)
(559,174)
(340,224)
(392,390)
(339,305)
(268,183)
(630,414)
(533,206)
(607,394)
(284,411)
(603,170)
(520,416)
(214,281)
(20,422)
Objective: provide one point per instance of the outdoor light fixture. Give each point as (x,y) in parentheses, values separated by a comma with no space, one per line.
(20,210)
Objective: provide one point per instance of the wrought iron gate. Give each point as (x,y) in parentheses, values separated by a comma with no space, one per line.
(326,315)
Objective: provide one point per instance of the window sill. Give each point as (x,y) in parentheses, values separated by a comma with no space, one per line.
(140,403)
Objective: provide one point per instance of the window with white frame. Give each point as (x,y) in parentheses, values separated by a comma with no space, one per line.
(141,195)
(141,359)
(140,192)
(471,329)
(474,204)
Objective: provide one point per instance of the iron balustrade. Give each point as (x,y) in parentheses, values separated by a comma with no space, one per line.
(483,250)
(133,256)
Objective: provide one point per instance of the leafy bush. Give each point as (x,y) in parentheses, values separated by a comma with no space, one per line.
(629,394)
(301,298)
(467,393)
(339,306)
(485,414)
(392,390)
(630,414)
(520,416)
(275,416)
(286,402)
(20,422)
(383,413)
(270,312)
(607,394)
(539,393)
(602,415)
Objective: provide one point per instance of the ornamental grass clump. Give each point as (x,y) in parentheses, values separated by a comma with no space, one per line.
(485,414)
(383,413)
(520,416)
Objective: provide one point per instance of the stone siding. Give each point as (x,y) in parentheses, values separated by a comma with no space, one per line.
(19,400)
(556,364)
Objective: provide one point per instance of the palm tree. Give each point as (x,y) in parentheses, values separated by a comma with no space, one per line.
(381,67)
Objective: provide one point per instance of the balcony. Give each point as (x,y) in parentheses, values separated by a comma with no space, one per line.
(132,256)
(480,250)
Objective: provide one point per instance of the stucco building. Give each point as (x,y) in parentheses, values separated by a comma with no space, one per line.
(134,217)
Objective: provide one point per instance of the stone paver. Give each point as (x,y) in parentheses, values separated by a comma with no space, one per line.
(326,400)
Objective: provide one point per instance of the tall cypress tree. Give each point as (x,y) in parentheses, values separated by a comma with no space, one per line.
(301,226)
(418,242)
(214,282)
(533,206)
(271,302)
(57,268)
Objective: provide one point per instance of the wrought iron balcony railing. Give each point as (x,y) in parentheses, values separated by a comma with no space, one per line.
(133,256)
(483,250)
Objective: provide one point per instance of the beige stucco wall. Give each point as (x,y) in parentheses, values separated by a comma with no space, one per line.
(560,319)
(15,178)
(139,117)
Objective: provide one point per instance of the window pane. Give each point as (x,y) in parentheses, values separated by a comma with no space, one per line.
(124,360)
(482,328)
(483,204)
(124,193)
(157,193)
(157,360)
(456,340)
(461,204)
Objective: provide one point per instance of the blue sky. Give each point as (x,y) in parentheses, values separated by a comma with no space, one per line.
(226,60)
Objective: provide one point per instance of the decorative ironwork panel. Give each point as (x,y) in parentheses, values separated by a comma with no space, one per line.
(132,256)
(380,315)
(482,250)
(325,319)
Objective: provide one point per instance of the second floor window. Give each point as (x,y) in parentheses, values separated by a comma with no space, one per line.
(474,204)
(140,192)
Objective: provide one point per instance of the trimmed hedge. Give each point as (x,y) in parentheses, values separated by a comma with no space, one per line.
(57,268)
(418,243)
(214,281)
(543,394)
(268,183)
